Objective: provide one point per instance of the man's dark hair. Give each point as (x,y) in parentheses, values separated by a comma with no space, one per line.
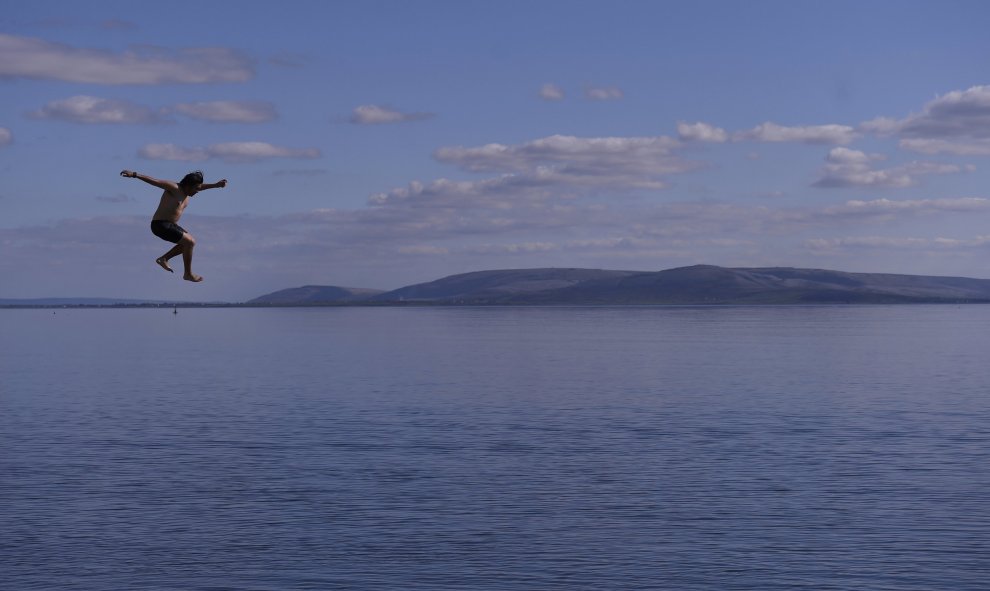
(193,179)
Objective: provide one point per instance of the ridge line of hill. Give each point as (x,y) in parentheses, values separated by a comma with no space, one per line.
(698,284)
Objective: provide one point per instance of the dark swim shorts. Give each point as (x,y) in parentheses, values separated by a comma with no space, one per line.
(169,231)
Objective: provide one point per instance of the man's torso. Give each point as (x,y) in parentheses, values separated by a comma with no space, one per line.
(171,206)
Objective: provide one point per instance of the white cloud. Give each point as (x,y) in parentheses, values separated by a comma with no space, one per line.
(956,123)
(29,57)
(867,241)
(551,92)
(552,168)
(376,115)
(173,152)
(229,111)
(503,192)
(423,249)
(972,147)
(882,126)
(514,248)
(811,134)
(701,132)
(5,136)
(91,109)
(610,93)
(958,114)
(597,155)
(853,168)
(229,152)
(887,208)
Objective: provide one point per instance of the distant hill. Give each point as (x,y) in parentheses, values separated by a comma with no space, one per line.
(700,284)
(316,294)
(492,286)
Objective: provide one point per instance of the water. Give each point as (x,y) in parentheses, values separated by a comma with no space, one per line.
(496,448)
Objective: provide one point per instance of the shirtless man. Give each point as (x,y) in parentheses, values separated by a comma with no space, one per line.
(165,225)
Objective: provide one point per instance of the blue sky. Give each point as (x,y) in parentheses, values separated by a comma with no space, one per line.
(378,144)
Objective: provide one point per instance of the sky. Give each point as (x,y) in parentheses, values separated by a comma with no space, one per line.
(384,143)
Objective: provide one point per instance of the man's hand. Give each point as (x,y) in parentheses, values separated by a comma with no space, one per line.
(129,174)
(222,183)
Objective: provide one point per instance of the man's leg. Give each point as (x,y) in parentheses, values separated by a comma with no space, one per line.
(187,243)
(164,259)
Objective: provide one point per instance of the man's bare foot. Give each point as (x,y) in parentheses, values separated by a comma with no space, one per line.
(192,277)
(164,264)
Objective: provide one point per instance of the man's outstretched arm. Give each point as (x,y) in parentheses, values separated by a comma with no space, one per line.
(164,185)
(217,185)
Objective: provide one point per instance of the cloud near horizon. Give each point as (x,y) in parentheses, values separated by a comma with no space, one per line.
(853,168)
(6,137)
(289,249)
(859,244)
(33,58)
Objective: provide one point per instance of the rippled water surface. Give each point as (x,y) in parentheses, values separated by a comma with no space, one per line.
(496,448)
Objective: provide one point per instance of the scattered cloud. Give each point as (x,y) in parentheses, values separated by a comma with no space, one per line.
(5,136)
(770,132)
(551,92)
(30,57)
(872,242)
(377,115)
(881,126)
(884,210)
(610,93)
(554,166)
(604,155)
(91,109)
(701,132)
(423,249)
(956,123)
(811,134)
(857,245)
(228,152)
(976,147)
(229,111)
(852,168)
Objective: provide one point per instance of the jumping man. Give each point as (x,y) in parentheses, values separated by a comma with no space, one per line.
(165,225)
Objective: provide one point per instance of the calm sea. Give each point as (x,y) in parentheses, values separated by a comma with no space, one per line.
(679,448)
